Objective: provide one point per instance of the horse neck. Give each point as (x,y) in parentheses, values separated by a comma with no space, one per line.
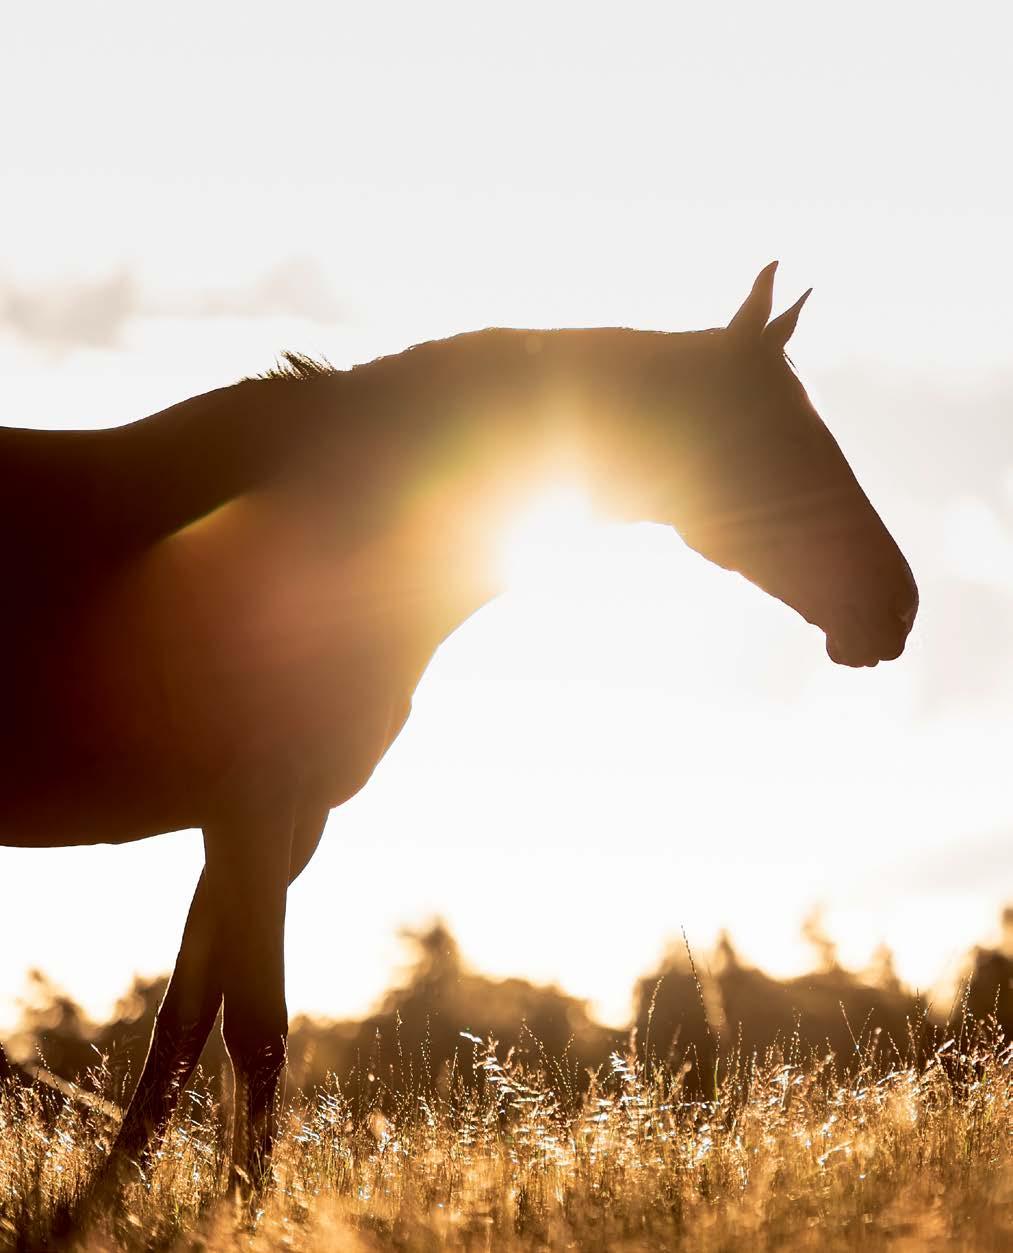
(204,452)
(471,428)
(514,408)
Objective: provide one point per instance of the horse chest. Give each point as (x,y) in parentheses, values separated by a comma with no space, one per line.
(198,667)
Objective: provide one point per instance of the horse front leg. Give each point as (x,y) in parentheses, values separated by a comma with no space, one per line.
(247,865)
(182,1026)
(184,1021)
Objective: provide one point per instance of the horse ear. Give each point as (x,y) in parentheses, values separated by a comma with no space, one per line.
(755,310)
(777,334)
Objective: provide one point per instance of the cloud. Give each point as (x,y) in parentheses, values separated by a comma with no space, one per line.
(70,315)
(292,288)
(94,313)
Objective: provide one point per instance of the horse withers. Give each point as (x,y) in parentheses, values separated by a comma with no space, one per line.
(218,614)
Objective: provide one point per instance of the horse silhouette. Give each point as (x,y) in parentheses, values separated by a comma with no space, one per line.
(216,616)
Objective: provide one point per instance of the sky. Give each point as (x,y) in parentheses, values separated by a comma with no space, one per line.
(629,743)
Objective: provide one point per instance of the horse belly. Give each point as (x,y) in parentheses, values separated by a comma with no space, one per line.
(85,753)
(129,741)
(327,715)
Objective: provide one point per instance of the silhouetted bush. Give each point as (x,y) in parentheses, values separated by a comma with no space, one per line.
(723,1009)
(417,1036)
(990,984)
(716,1013)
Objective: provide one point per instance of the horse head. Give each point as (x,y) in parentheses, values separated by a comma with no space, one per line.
(762,487)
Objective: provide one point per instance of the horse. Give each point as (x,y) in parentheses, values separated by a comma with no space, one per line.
(217,615)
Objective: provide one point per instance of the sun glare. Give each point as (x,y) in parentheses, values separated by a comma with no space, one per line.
(544,535)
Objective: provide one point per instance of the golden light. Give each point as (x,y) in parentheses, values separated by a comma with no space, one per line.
(545,535)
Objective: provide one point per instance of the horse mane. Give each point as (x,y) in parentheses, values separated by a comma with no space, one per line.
(296,367)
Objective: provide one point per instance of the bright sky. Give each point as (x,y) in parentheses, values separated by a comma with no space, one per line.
(630,741)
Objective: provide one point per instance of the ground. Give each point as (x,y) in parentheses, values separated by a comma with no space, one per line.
(789,1152)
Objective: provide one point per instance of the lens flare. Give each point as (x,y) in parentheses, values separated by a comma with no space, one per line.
(546,533)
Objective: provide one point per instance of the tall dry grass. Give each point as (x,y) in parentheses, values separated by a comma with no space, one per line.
(507,1154)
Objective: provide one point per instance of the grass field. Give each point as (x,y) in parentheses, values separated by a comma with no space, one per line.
(507,1154)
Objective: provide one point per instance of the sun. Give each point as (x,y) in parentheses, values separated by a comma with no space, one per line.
(543,539)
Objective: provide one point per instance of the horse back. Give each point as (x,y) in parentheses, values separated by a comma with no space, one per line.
(77,503)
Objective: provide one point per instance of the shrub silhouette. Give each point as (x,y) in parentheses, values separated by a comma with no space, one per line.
(990,984)
(702,1014)
(705,1013)
(416,1037)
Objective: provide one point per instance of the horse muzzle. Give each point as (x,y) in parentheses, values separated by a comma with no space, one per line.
(862,639)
